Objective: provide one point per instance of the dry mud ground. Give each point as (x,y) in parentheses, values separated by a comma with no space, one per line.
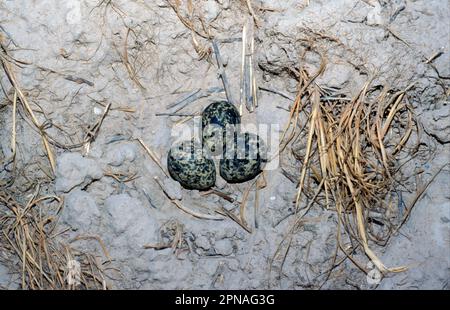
(66,40)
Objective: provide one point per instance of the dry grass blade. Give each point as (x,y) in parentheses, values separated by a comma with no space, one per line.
(242,84)
(26,105)
(299,220)
(222,73)
(178,204)
(152,156)
(13,130)
(93,130)
(131,70)
(252,74)
(248,86)
(236,219)
(252,12)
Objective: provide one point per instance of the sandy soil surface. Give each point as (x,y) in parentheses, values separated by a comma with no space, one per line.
(76,53)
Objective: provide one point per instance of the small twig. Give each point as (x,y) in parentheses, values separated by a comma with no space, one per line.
(93,131)
(224,211)
(183,99)
(194,96)
(75,79)
(120,177)
(229,40)
(434,56)
(253,79)
(176,114)
(277,92)
(177,203)
(152,156)
(130,69)
(222,73)
(13,131)
(395,35)
(242,84)
(220,194)
(244,203)
(252,12)
(259,186)
(78,80)
(158,246)
(419,193)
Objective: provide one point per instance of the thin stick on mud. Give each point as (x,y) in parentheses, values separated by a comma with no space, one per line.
(225,212)
(242,83)
(277,92)
(13,130)
(219,193)
(252,12)
(131,70)
(244,202)
(178,204)
(192,97)
(221,71)
(260,184)
(183,99)
(252,73)
(152,156)
(92,131)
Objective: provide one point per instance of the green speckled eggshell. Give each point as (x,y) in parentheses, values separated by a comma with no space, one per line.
(215,118)
(189,166)
(242,164)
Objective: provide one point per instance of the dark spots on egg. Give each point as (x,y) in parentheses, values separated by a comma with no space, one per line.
(216,117)
(189,166)
(236,166)
(243,154)
(221,113)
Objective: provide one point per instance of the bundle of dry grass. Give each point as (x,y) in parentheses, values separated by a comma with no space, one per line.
(352,151)
(38,254)
(28,221)
(193,19)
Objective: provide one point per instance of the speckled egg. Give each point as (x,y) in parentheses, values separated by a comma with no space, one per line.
(215,119)
(188,165)
(243,159)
